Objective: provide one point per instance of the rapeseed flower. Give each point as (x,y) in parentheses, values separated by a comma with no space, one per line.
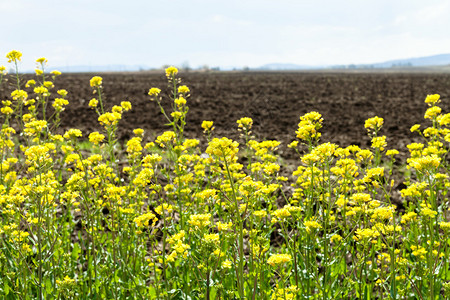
(126,105)
(379,142)
(183,89)
(207,126)
(93,103)
(108,119)
(311,225)
(14,56)
(96,81)
(41,60)
(171,72)
(143,220)
(200,220)
(96,138)
(374,124)
(19,95)
(432,99)
(279,259)
(73,133)
(432,112)
(245,123)
(415,127)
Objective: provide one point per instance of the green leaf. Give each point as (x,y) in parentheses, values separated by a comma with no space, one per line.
(48,286)
(6,288)
(366,293)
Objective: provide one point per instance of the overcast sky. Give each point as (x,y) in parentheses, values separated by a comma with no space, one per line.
(222,33)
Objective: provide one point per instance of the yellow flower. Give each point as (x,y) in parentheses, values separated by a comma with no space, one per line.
(171,71)
(245,123)
(93,103)
(19,95)
(38,72)
(180,101)
(96,137)
(41,90)
(31,83)
(311,225)
(55,72)
(138,131)
(432,112)
(48,84)
(365,234)
(278,259)
(42,60)
(226,264)
(392,152)
(154,92)
(183,89)
(224,149)
(212,238)
(126,105)
(309,125)
(14,56)
(144,219)
(379,142)
(427,212)
(374,124)
(108,119)
(164,209)
(207,126)
(63,93)
(415,127)
(224,226)
(96,81)
(59,103)
(293,145)
(7,110)
(72,133)
(200,220)
(432,99)
(336,238)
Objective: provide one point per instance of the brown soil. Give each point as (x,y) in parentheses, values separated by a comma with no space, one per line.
(273,100)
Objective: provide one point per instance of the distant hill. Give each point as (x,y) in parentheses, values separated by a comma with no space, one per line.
(105,68)
(282,67)
(440,60)
(426,61)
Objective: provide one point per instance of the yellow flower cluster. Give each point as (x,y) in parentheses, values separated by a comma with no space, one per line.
(14,56)
(110,118)
(96,81)
(279,259)
(289,293)
(308,128)
(311,225)
(73,134)
(143,220)
(207,126)
(432,99)
(374,124)
(223,149)
(200,220)
(154,92)
(171,72)
(96,137)
(245,123)
(165,139)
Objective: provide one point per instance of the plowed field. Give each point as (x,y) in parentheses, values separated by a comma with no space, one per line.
(273,100)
